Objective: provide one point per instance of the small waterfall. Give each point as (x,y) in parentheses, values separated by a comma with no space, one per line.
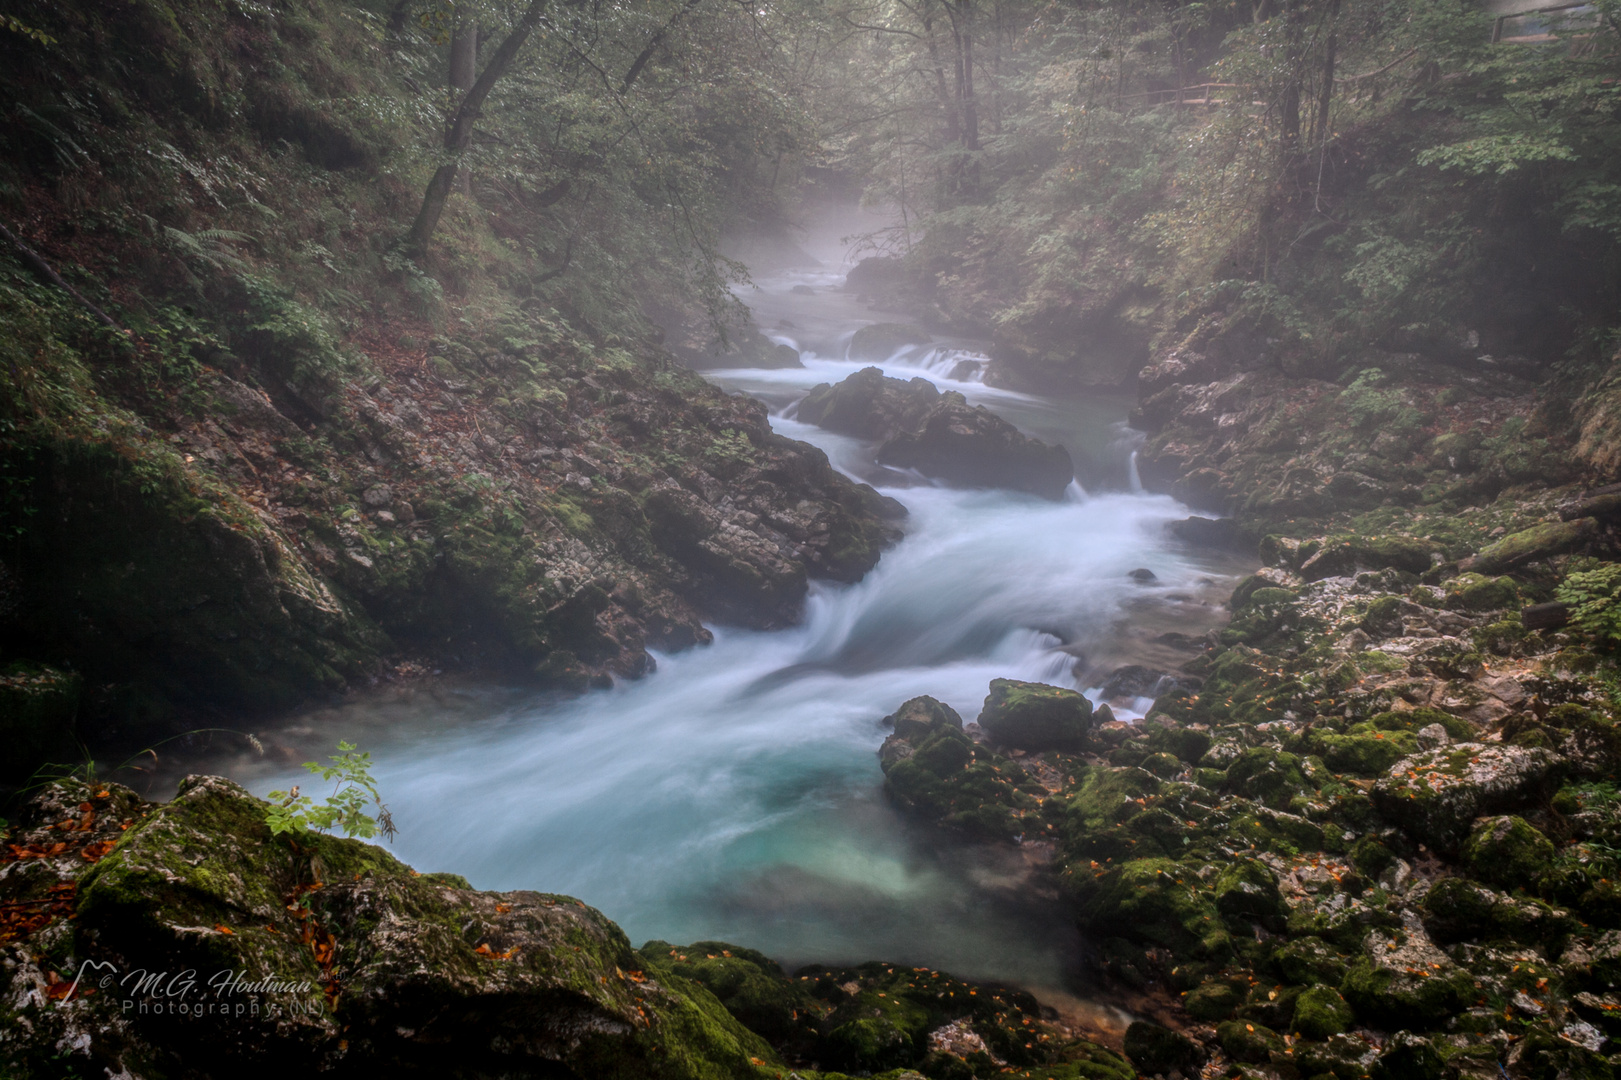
(1132,476)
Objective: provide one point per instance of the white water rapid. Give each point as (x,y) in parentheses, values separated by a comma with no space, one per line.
(735,793)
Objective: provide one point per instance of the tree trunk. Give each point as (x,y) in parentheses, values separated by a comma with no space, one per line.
(1320,125)
(463,67)
(1290,105)
(459,132)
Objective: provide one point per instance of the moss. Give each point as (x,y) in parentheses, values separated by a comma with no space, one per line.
(1457,909)
(1507,852)
(1476,592)
(1320,1012)
(919,717)
(1537,542)
(1392,992)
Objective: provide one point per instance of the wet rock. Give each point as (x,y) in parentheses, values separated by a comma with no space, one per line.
(974,447)
(1538,542)
(1457,909)
(1212,1001)
(1320,1012)
(869,405)
(1143,576)
(1158,901)
(1155,1049)
(1034,716)
(1222,534)
(1435,794)
(1507,851)
(1403,979)
(406,973)
(1137,681)
(880,341)
(1432,737)
(1340,558)
(920,717)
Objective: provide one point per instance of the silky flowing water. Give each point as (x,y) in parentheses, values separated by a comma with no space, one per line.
(735,793)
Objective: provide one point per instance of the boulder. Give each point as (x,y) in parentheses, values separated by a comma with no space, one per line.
(920,717)
(876,274)
(1034,716)
(1405,980)
(1155,1049)
(1508,852)
(1537,542)
(329,953)
(1222,534)
(869,405)
(973,447)
(1436,794)
(880,341)
(1320,1012)
(1341,558)
(1456,909)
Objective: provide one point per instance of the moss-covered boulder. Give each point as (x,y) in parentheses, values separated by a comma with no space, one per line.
(1034,716)
(1215,999)
(1154,900)
(1341,557)
(372,965)
(1402,980)
(1408,1056)
(1246,893)
(1435,795)
(1508,852)
(1457,909)
(1305,960)
(920,717)
(1320,1011)
(1248,1041)
(1537,542)
(1155,1049)
(1477,592)
(1365,753)
(1268,776)
(751,985)
(938,774)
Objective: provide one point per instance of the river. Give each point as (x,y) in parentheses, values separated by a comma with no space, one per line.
(735,794)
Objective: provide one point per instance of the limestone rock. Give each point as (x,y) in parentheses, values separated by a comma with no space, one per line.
(1436,794)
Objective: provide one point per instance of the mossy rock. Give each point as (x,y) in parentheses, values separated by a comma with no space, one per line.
(1435,795)
(1415,720)
(1267,776)
(1154,900)
(1476,592)
(1163,765)
(1034,716)
(1369,754)
(1155,1049)
(1185,743)
(1537,542)
(1407,1056)
(1343,1057)
(919,717)
(1306,960)
(200,883)
(1212,1000)
(1320,1012)
(1508,852)
(752,986)
(1404,981)
(1248,1041)
(1246,892)
(1371,856)
(1457,909)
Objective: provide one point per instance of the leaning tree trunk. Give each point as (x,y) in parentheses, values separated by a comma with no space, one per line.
(459,131)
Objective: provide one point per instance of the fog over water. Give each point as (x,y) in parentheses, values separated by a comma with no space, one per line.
(735,793)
